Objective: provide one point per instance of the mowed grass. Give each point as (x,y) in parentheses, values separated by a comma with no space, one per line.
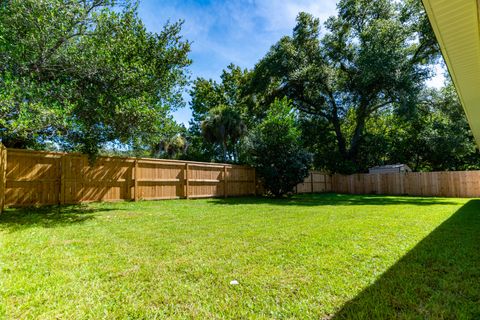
(314,256)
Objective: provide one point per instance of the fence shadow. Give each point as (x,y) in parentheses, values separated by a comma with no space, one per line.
(12,220)
(438,279)
(334,199)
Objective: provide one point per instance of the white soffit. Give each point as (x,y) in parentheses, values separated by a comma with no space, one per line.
(456,26)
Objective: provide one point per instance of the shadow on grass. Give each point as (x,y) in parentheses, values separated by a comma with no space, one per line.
(438,279)
(332,199)
(13,220)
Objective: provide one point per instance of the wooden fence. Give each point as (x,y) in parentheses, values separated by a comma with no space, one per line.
(315,182)
(45,178)
(41,178)
(443,184)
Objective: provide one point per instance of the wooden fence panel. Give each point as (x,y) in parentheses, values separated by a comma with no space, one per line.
(305,186)
(240,181)
(160,180)
(315,182)
(445,184)
(320,182)
(41,178)
(32,180)
(108,179)
(3,180)
(206,181)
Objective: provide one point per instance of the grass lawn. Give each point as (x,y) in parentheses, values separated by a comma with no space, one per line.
(314,256)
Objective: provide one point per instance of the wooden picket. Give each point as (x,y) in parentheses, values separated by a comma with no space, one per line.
(45,178)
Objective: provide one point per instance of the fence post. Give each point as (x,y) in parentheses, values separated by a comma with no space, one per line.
(402,183)
(62,179)
(225,193)
(186,182)
(311,181)
(3,175)
(135,182)
(377,177)
(128,184)
(254,182)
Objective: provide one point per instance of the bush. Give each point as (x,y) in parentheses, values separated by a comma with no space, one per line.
(275,150)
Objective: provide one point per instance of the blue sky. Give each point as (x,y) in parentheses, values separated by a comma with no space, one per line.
(239,31)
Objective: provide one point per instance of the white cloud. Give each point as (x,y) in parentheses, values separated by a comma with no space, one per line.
(234,30)
(281,14)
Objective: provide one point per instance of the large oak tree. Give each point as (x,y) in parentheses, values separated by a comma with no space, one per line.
(85,73)
(373,55)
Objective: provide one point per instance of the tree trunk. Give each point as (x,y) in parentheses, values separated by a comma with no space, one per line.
(224,146)
(338,133)
(357,137)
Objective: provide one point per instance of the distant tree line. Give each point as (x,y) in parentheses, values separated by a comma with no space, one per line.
(88,76)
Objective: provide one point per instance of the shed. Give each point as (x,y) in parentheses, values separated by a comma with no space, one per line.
(390,168)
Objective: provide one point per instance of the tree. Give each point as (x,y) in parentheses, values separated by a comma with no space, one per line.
(437,137)
(434,136)
(172,143)
(210,96)
(86,73)
(224,126)
(374,55)
(275,151)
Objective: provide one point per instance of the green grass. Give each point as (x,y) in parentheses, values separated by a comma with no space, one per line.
(314,256)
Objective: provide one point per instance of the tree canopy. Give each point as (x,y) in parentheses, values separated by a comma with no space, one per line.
(374,55)
(224,126)
(209,100)
(82,74)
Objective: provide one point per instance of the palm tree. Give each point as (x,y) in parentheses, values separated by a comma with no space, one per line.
(224,126)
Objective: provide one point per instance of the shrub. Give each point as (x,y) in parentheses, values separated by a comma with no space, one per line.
(275,150)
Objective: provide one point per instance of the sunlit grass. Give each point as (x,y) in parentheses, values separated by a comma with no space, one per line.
(307,257)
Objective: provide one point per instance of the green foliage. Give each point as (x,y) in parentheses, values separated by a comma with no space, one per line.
(374,56)
(359,89)
(208,98)
(433,136)
(223,126)
(209,94)
(88,76)
(437,137)
(86,73)
(172,143)
(275,151)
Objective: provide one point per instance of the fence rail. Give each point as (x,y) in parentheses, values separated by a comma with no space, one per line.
(44,178)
